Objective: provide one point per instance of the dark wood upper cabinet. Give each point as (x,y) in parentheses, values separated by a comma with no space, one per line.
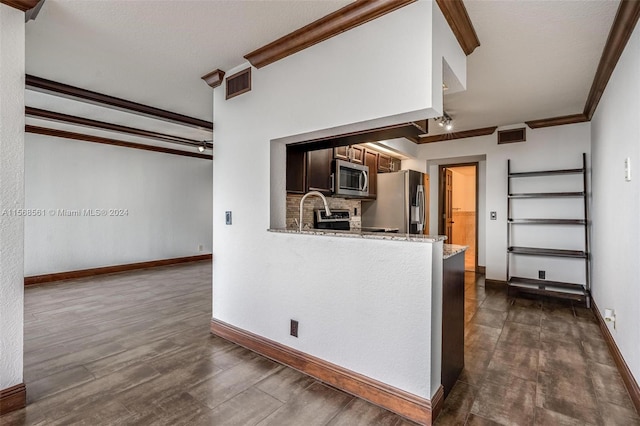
(384,163)
(341,153)
(352,153)
(357,154)
(319,171)
(296,171)
(395,164)
(371,160)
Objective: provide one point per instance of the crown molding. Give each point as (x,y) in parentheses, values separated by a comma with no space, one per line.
(22,5)
(214,78)
(557,121)
(622,28)
(457,135)
(344,19)
(458,19)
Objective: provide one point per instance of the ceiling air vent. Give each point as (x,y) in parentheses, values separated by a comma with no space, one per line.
(238,83)
(512,135)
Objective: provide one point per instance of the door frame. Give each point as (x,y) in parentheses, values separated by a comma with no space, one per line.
(441,195)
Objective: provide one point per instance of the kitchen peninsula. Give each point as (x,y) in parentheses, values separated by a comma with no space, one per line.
(429,302)
(368,309)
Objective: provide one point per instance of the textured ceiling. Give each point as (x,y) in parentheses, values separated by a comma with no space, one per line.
(155,52)
(536,59)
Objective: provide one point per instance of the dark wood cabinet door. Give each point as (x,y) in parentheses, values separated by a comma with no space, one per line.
(394,164)
(452,321)
(357,154)
(319,170)
(384,163)
(371,160)
(296,171)
(341,153)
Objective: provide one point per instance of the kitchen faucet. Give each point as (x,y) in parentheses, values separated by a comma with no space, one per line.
(324,200)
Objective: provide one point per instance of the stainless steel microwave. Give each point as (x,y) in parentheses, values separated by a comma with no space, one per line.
(351,180)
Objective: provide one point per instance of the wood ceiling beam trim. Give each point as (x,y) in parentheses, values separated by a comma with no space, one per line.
(94,124)
(95,98)
(458,135)
(458,19)
(341,20)
(557,121)
(214,78)
(621,30)
(22,5)
(107,141)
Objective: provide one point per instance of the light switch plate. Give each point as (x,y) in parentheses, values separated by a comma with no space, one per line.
(227,218)
(627,169)
(493,215)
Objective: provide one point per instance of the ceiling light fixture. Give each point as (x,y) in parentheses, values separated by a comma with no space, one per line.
(445,121)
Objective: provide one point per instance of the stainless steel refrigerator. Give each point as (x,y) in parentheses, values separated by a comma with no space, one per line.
(400,203)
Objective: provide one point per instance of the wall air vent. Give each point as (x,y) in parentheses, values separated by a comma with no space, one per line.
(238,83)
(512,135)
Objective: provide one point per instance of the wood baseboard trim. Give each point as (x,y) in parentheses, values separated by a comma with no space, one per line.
(481,270)
(495,283)
(83,273)
(627,377)
(412,407)
(13,398)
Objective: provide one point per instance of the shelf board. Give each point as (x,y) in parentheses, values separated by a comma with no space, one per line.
(534,251)
(577,294)
(547,173)
(547,195)
(545,284)
(549,221)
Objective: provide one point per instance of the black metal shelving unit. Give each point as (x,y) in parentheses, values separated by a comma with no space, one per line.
(574,291)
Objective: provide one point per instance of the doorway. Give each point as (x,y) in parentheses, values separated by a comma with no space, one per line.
(458,208)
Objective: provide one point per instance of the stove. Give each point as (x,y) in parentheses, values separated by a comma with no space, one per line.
(337,220)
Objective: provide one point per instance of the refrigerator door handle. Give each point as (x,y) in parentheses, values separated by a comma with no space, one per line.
(420,196)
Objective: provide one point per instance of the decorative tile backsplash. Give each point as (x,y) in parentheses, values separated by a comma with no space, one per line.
(312,203)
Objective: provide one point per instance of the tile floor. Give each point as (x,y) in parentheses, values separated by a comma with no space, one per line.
(135,349)
(534,361)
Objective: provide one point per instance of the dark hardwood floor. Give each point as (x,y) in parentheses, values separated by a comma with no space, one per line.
(135,349)
(534,361)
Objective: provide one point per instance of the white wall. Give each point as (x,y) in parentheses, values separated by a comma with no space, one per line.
(168,199)
(11,194)
(615,136)
(346,293)
(547,148)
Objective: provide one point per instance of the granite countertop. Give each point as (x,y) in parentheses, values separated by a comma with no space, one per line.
(418,238)
(449,250)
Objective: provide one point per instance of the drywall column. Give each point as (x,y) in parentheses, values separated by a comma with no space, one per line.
(12,71)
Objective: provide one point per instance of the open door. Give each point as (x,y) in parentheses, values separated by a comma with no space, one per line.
(447,204)
(458,208)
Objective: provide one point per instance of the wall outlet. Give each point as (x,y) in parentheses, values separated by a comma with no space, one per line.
(200,247)
(493,215)
(294,328)
(542,275)
(227,218)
